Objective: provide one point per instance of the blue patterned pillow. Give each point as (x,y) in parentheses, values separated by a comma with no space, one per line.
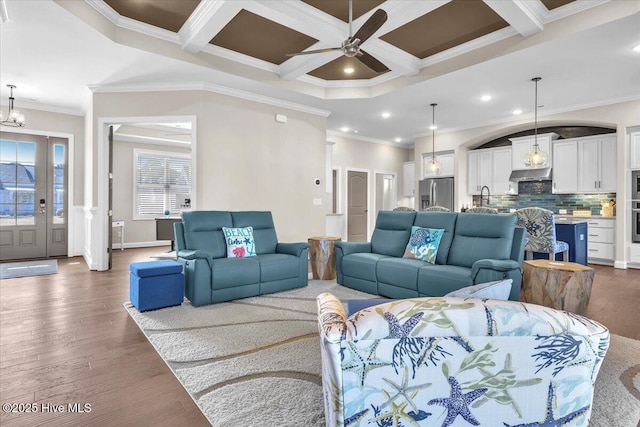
(239,241)
(423,244)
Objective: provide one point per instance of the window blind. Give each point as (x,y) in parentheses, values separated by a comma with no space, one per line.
(159,177)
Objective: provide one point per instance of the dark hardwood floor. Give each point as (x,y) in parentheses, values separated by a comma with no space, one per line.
(66,339)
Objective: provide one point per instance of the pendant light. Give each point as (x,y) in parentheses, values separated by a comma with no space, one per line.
(14,118)
(536,158)
(433,167)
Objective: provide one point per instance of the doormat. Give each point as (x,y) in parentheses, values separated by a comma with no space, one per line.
(10,270)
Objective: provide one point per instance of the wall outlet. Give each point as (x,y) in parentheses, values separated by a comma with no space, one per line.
(562,211)
(317,202)
(119,233)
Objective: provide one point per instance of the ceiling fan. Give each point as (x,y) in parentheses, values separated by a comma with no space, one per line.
(351,46)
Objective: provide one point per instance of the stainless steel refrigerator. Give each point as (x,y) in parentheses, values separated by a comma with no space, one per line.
(436,192)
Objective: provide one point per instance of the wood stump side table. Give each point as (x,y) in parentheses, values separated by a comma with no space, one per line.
(560,285)
(322,254)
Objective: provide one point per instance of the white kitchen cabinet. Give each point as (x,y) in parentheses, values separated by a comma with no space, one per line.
(408,179)
(501,172)
(601,240)
(479,170)
(522,145)
(446,163)
(565,174)
(634,142)
(597,164)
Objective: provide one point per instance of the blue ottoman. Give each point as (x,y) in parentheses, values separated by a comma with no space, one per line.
(156,284)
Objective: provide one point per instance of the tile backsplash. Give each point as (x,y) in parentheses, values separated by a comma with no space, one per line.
(553,202)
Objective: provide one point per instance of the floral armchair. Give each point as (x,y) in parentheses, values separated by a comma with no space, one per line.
(436,209)
(482,209)
(435,361)
(541,232)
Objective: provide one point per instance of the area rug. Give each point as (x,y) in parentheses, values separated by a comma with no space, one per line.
(256,361)
(10,270)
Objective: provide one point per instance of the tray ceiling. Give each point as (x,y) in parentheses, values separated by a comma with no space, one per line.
(261,33)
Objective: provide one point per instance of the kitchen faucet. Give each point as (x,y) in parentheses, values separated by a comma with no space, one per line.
(488,194)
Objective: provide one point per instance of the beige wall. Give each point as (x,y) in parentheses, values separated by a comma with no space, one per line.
(136,231)
(619,116)
(245,160)
(361,155)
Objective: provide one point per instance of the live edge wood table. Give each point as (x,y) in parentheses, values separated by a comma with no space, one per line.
(560,285)
(322,254)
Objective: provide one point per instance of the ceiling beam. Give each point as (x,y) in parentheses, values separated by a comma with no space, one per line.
(205,22)
(395,59)
(519,15)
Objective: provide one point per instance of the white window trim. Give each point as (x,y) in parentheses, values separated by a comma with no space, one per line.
(136,153)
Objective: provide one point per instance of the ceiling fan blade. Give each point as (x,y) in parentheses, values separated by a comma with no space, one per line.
(372,25)
(372,62)
(309,52)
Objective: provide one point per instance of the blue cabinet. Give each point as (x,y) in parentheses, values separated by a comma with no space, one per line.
(575,234)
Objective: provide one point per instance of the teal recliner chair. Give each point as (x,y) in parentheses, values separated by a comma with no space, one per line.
(474,249)
(212,277)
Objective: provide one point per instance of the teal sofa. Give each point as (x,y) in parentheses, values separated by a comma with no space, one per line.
(211,277)
(475,248)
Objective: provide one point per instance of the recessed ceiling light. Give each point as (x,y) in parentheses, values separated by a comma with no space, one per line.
(344,129)
(636,48)
(433,127)
(349,70)
(485,98)
(398,139)
(386,115)
(517,112)
(355,131)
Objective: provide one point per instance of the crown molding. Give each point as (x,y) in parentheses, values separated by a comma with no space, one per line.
(571,9)
(139,139)
(347,84)
(131,24)
(338,134)
(34,105)
(210,87)
(520,118)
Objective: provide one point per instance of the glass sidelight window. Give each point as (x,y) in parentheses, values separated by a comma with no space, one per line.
(59,173)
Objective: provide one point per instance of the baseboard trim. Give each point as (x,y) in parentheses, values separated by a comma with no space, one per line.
(132,245)
(620,264)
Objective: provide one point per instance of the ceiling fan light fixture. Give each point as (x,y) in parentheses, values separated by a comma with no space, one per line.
(536,158)
(433,167)
(349,70)
(14,117)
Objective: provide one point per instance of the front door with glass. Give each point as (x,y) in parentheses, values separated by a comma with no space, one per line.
(33,196)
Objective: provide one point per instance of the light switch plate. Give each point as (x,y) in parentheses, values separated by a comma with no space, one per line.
(317,202)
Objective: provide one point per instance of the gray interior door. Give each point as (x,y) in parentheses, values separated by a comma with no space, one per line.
(357,206)
(33,196)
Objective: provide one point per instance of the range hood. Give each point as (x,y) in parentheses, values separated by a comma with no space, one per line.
(538,174)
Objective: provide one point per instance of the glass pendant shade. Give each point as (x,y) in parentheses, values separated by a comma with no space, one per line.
(536,158)
(14,117)
(434,167)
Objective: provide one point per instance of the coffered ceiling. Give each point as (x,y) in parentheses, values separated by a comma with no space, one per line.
(447,51)
(264,32)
